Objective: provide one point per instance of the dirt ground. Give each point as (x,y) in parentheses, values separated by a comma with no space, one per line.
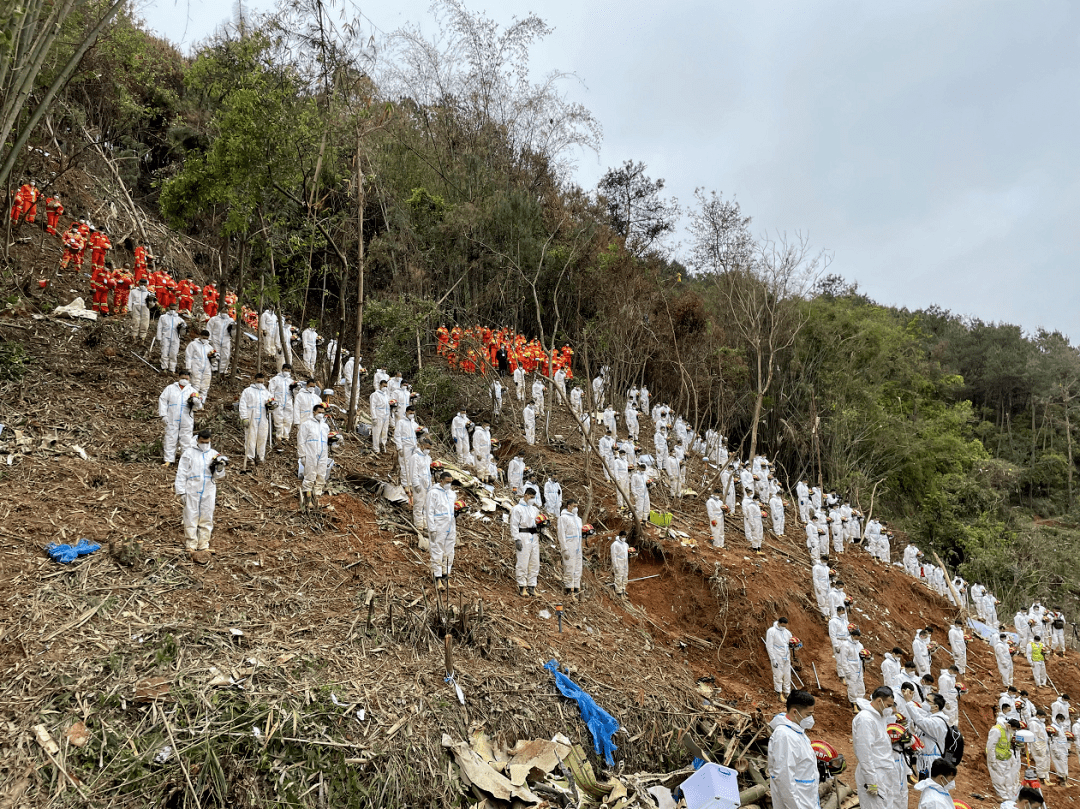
(297,586)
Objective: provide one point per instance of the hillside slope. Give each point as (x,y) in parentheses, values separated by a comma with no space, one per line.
(254,668)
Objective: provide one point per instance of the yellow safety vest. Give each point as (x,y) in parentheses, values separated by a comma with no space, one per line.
(1003,748)
(1037,653)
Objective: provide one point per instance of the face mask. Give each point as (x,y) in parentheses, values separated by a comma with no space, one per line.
(951,785)
(204,340)
(204,447)
(446,486)
(286,374)
(321,417)
(574,511)
(182,383)
(806,723)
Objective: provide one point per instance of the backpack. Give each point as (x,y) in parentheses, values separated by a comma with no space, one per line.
(1058,623)
(954,745)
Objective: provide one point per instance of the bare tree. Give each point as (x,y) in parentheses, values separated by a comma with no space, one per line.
(637,211)
(764,302)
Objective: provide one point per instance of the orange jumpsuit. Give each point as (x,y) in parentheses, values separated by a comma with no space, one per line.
(18,207)
(122,283)
(186,290)
(444,338)
(30,198)
(99,286)
(99,247)
(74,242)
(209,300)
(230,304)
(84,229)
(170,289)
(53,210)
(140,264)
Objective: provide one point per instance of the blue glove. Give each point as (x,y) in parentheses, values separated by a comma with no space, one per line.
(85,546)
(64,554)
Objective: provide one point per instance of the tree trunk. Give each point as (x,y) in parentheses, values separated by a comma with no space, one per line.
(355,382)
(239,322)
(1068,443)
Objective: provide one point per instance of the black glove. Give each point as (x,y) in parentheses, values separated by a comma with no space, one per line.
(518,545)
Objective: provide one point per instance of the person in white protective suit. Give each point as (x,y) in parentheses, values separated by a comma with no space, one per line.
(523,533)
(920,652)
(176,408)
(255,416)
(936,791)
(528,415)
(778,644)
(441,524)
(620,563)
(911,560)
(1036,653)
(575,401)
(519,383)
(639,490)
(405,442)
(598,391)
(776,512)
(673,471)
(515,474)
(198,358)
(793,773)
(221,328)
(379,408)
(715,509)
(313,447)
(958,645)
(559,378)
(497,390)
(813,542)
(643,399)
(1057,631)
(851,652)
(538,396)
(305,400)
(1002,760)
(170,330)
(459,432)
(284,389)
(990,605)
(752,525)
(569,534)
(553,504)
(933,726)
(420,484)
(891,668)
(1004,659)
(802,492)
(622,477)
(838,635)
(819,575)
(1023,628)
(1059,746)
(661,446)
(1040,748)
(309,339)
(139,307)
(631,417)
(947,689)
(268,325)
(876,777)
(197,474)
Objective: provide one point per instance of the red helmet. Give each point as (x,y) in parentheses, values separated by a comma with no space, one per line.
(960,804)
(849,600)
(865,654)
(541,519)
(795,643)
(851,627)
(961,688)
(587,530)
(898,733)
(459,505)
(828,759)
(436,465)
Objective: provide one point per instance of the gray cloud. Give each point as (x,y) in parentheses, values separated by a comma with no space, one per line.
(930,145)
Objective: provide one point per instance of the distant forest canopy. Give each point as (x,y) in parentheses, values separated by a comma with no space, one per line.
(431,180)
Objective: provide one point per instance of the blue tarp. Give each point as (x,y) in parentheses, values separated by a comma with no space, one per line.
(989,633)
(601,724)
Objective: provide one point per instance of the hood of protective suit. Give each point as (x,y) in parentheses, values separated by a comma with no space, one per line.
(862,703)
(925,783)
(781,719)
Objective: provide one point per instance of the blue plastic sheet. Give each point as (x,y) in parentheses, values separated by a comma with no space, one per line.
(601,724)
(66,554)
(989,633)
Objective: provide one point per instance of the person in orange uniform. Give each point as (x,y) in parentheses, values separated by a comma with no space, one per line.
(170,289)
(18,206)
(85,228)
(209,300)
(99,248)
(53,210)
(230,303)
(140,263)
(100,278)
(30,199)
(186,292)
(74,242)
(123,280)
(444,338)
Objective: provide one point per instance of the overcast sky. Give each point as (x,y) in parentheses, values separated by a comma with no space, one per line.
(930,146)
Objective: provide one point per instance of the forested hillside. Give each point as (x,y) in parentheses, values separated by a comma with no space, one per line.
(385,187)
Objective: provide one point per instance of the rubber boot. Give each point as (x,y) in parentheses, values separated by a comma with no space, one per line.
(522,592)
(303,501)
(532,592)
